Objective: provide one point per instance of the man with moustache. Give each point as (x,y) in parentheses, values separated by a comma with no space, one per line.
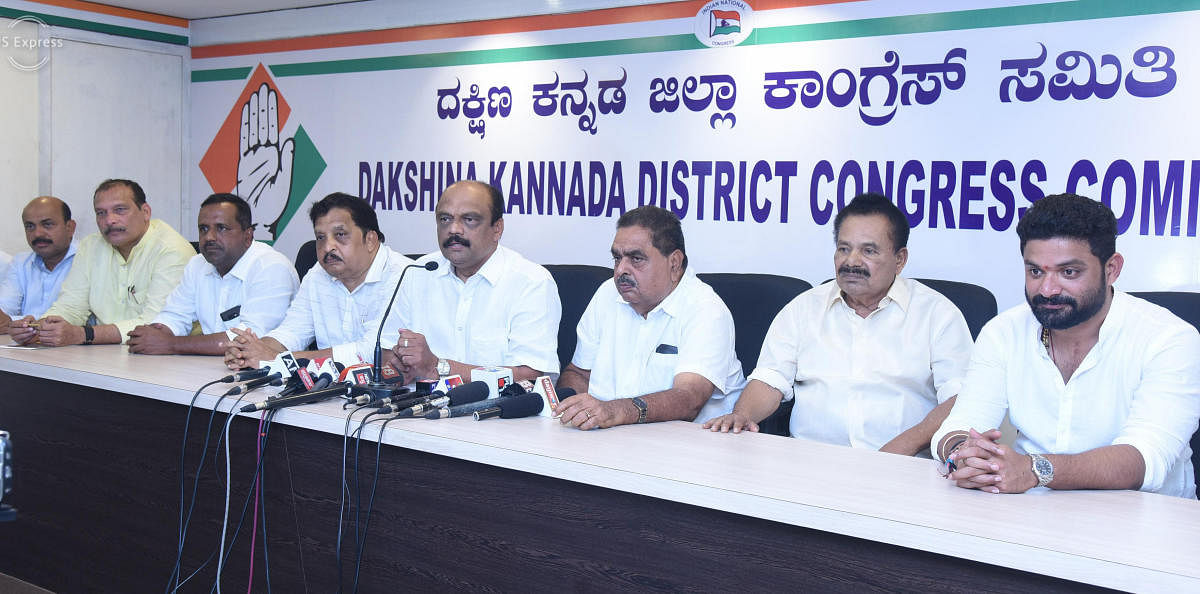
(234,282)
(337,298)
(1103,388)
(122,275)
(656,343)
(35,278)
(873,360)
(484,306)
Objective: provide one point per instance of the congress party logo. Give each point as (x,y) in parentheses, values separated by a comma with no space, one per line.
(257,155)
(723,23)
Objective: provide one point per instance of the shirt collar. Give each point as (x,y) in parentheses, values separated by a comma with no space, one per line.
(240,268)
(150,237)
(899,293)
(491,271)
(672,304)
(378,265)
(67,258)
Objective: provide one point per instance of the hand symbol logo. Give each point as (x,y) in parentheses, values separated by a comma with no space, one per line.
(264,163)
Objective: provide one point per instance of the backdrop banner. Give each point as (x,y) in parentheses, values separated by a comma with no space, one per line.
(754,126)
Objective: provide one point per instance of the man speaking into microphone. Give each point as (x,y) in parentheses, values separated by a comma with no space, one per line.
(485,305)
(655,343)
(350,287)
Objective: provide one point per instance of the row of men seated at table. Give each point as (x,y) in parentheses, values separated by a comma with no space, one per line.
(1103,388)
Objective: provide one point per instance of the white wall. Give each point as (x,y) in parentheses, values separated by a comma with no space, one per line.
(19,97)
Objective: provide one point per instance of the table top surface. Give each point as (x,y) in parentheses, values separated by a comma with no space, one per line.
(1119,539)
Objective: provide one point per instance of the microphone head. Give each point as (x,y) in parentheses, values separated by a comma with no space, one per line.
(468,393)
(431,265)
(516,407)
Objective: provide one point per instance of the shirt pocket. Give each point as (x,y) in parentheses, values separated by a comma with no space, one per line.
(487,351)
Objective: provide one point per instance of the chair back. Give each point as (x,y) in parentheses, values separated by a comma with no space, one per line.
(577,283)
(976,303)
(306,257)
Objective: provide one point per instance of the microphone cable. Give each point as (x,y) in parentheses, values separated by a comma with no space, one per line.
(345,487)
(260,447)
(370,503)
(173,580)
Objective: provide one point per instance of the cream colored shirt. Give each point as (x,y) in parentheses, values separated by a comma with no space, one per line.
(123,292)
(862,381)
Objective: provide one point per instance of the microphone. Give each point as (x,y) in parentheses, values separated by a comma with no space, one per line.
(515,407)
(302,398)
(377,388)
(302,381)
(456,397)
(478,401)
(265,368)
(269,380)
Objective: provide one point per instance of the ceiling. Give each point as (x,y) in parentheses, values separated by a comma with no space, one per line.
(192,9)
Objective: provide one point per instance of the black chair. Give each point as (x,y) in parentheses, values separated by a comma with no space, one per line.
(577,283)
(755,300)
(306,257)
(195,246)
(1186,305)
(976,303)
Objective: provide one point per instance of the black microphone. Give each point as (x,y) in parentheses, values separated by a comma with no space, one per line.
(464,394)
(295,383)
(378,388)
(514,407)
(270,380)
(474,397)
(340,389)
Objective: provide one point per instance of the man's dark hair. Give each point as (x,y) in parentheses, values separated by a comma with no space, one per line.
(666,234)
(139,196)
(1074,217)
(876,204)
(65,209)
(243,208)
(360,211)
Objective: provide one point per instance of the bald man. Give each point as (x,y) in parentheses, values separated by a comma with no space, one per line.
(35,278)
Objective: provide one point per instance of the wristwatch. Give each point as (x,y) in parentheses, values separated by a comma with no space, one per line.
(641,406)
(443,367)
(89,334)
(1042,469)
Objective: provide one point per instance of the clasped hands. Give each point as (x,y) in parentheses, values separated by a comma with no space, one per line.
(49,331)
(988,466)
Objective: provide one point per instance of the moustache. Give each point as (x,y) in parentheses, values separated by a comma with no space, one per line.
(859,270)
(42,242)
(1039,300)
(453,239)
(208,245)
(112,230)
(331,257)
(627,281)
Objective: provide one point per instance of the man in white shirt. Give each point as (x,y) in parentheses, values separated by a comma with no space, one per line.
(656,343)
(35,278)
(1102,388)
(350,286)
(484,306)
(873,360)
(234,282)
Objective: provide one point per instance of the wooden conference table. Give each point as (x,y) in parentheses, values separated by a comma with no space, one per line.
(529,505)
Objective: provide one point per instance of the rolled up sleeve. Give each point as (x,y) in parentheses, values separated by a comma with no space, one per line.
(777,361)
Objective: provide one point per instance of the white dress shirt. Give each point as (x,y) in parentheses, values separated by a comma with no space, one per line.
(261,284)
(5,262)
(691,331)
(862,381)
(29,288)
(1139,385)
(336,318)
(506,314)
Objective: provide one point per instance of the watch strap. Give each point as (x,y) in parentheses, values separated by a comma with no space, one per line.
(1042,469)
(641,406)
(89,334)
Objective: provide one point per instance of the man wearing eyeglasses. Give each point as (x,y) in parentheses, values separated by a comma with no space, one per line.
(122,274)
(234,282)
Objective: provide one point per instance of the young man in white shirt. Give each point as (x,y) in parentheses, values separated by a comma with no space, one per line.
(655,343)
(1103,388)
(350,286)
(484,306)
(234,282)
(873,360)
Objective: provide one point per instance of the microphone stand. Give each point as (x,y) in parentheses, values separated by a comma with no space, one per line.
(376,388)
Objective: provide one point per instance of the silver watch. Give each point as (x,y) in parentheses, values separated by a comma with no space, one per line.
(1042,469)
(443,367)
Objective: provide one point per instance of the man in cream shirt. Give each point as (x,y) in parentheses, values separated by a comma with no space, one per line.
(873,360)
(122,274)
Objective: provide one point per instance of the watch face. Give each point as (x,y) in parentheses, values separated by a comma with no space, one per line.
(1043,467)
